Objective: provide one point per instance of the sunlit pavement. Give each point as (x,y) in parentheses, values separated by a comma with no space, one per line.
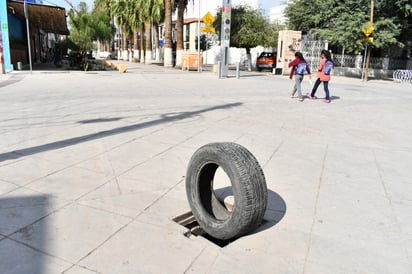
(93,164)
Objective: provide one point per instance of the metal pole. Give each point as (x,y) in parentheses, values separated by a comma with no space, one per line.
(369,52)
(364,61)
(205,63)
(28,34)
(198,40)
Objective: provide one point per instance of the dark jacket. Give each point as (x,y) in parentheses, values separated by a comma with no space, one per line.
(294,64)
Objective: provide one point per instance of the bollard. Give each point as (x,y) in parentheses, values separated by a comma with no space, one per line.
(19,66)
(122,68)
(219,69)
(214,68)
(237,70)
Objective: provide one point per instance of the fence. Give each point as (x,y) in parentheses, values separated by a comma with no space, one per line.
(311,51)
(352,65)
(356,61)
(402,76)
(341,60)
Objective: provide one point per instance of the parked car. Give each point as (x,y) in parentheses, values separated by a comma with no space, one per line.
(266,60)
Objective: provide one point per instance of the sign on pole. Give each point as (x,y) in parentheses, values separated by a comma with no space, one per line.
(207,29)
(368,29)
(208,19)
(225,36)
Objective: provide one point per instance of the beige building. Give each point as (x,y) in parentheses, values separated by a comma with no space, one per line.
(289,42)
(190,33)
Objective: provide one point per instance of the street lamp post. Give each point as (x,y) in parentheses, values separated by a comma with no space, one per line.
(369,52)
(26,15)
(198,40)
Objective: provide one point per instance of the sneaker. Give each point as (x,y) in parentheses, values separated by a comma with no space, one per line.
(310,96)
(301,99)
(326,100)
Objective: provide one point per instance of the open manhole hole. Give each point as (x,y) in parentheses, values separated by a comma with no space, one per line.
(188,220)
(223,190)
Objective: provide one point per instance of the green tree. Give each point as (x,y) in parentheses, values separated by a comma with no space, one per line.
(121,10)
(249,28)
(137,25)
(82,32)
(102,22)
(151,13)
(88,27)
(341,22)
(157,14)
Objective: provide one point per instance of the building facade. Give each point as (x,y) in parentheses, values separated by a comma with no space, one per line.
(46,27)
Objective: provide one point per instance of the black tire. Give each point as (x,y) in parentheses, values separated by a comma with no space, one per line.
(248,186)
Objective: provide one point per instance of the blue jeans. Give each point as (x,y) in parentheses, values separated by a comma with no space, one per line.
(325,86)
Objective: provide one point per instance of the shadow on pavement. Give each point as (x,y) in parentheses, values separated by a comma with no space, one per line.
(16,154)
(100,120)
(275,210)
(23,235)
(12,80)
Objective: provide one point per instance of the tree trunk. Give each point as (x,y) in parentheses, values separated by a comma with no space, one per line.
(168,50)
(142,45)
(124,46)
(156,40)
(148,35)
(135,46)
(179,32)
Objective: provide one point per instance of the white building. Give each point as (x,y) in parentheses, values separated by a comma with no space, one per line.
(276,14)
(192,10)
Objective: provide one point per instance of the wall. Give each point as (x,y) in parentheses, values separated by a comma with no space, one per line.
(19,55)
(289,42)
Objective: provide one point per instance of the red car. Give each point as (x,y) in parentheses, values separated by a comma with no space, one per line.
(266,60)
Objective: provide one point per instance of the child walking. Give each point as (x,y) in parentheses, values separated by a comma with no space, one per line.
(299,67)
(324,70)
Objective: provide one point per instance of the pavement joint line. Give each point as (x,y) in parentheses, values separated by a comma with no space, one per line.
(315,209)
(314,228)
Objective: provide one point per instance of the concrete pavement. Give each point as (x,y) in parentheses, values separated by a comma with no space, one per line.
(92,169)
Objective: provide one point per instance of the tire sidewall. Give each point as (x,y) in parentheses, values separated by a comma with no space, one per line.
(216,153)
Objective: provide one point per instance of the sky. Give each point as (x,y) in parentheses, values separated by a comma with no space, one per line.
(208,5)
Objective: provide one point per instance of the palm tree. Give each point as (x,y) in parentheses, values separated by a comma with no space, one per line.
(122,11)
(136,23)
(149,12)
(157,16)
(145,10)
(102,13)
(168,46)
(181,6)
(117,9)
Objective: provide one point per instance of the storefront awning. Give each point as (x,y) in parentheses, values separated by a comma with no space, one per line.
(48,18)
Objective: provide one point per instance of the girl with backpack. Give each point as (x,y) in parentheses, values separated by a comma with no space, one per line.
(324,70)
(299,67)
